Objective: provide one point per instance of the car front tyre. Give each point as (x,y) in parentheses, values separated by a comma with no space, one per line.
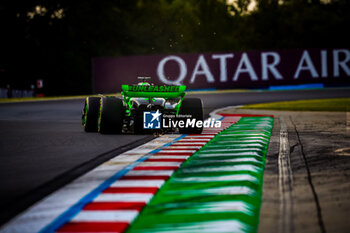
(90,114)
(193,107)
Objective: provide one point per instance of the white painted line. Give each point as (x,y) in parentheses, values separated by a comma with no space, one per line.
(285,182)
(150,172)
(106,216)
(194,139)
(190,143)
(208,133)
(212,130)
(138,183)
(140,151)
(169,157)
(185,147)
(123,197)
(164,139)
(127,158)
(178,151)
(160,164)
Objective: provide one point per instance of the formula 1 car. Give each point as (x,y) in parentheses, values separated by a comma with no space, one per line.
(113,115)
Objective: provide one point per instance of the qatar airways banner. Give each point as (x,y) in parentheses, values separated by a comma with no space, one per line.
(226,70)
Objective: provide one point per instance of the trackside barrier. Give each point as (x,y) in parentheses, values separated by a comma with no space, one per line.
(260,69)
(4,93)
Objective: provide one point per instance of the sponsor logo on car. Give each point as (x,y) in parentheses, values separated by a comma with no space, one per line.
(153,88)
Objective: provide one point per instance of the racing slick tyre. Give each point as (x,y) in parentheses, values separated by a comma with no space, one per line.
(90,114)
(111,115)
(138,124)
(193,107)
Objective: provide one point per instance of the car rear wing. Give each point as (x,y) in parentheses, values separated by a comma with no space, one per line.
(149,91)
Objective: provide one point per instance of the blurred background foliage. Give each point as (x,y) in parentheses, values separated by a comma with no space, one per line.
(55,40)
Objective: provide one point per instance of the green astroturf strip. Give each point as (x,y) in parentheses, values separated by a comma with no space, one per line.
(218,189)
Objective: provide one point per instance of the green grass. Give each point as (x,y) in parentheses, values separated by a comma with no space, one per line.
(328,105)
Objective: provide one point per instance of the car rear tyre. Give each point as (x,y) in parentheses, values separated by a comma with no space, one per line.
(193,107)
(111,115)
(138,124)
(90,114)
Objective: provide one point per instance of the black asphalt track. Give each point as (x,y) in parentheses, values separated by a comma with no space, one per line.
(43,146)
